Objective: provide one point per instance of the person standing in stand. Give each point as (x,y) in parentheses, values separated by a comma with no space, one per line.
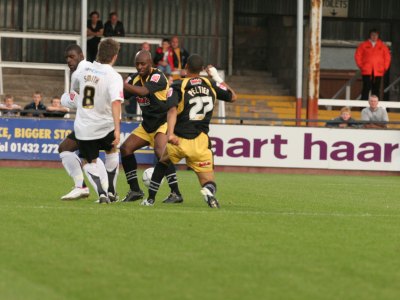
(373,58)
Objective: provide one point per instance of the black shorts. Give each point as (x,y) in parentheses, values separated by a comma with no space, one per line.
(90,150)
(72,136)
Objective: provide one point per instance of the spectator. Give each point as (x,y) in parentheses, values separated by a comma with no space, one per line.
(56,110)
(373,113)
(145,46)
(35,108)
(373,58)
(8,108)
(94,33)
(164,59)
(114,27)
(180,55)
(344,120)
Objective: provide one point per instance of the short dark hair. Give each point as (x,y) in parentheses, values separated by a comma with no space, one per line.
(373,30)
(94,13)
(195,63)
(74,47)
(166,40)
(113,13)
(108,48)
(54,97)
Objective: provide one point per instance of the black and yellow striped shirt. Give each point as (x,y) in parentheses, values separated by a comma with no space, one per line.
(153,105)
(195,98)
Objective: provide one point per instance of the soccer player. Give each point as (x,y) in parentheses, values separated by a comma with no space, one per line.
(70,160)
(191,103)
(97,122)
(150,86)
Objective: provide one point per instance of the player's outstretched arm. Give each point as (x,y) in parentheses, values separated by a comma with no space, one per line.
(137,90)
(213,73)
(171,121)
(116,113)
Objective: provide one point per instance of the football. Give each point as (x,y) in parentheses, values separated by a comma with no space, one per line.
(147,176)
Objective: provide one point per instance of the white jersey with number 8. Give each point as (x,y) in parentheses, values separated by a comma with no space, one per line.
(99,85)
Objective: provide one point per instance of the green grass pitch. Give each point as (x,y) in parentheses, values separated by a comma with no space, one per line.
(275,237)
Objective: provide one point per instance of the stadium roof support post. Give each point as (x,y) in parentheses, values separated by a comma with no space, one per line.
(315,59)
(230,37)
(83,26)
(299,61)
(25,19)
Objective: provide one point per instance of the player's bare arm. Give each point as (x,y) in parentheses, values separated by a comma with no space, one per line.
(137,90)
(171,121)
(212,72)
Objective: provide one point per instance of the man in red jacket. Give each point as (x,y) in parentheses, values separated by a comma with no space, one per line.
(373,58)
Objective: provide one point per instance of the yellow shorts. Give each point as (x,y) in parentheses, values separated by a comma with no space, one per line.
(196,152)
(144,135)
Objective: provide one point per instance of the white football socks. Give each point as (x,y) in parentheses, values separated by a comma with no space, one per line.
(97,175)
(112,167)
(72,165)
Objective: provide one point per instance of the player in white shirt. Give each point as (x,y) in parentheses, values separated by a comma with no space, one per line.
(97,122)
(67,148)
(70,160)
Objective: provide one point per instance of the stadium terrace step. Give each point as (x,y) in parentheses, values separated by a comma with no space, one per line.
(256,83)
(251,79)
(23,83)
(256,86)
(245,72)
(18,71)
(261,91)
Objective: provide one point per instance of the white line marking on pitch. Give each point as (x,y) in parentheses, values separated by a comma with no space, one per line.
(245,212)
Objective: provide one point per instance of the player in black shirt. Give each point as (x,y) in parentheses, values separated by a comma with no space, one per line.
(191,103)
(150,86)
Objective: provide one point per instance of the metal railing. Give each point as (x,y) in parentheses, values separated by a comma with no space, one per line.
(347,87)
(77,39)
(393,125)
(60,37)
(25,65)
(390,86)
(356,103)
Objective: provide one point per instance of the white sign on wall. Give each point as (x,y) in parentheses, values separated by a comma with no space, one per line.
(300,147)
(335,8)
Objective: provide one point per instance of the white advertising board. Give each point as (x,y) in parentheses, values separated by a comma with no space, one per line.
(302,147)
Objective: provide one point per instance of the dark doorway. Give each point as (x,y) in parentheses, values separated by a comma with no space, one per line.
(250,42)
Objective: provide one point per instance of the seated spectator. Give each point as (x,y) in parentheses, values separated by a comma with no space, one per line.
(114,27)
(35,108)
(8,108)
(375,114)
(56,110)
(180,56)
(163,59)
(145,46)
(344,120)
